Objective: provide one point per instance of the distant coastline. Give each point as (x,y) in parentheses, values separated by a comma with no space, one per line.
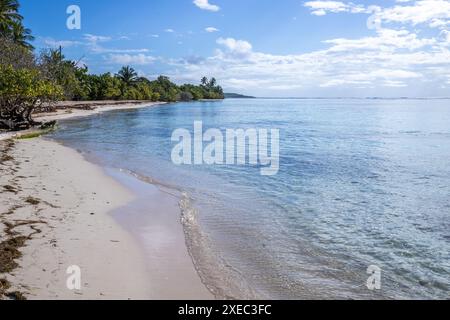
(354,98)
(237,96)
(231,95)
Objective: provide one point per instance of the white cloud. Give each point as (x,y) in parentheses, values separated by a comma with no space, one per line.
(92,44)
(423,11)
(333,6)
(50,42)
(435,13)
(386,39)
(391,60)
(321,8)
(94,38)
(128,59)
(211,29)
(169,30)
(205,5)
(381,77)
(235,47)
(445,36)
(396,57)
(99,49)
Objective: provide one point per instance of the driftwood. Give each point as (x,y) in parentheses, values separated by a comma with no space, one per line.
(16,115)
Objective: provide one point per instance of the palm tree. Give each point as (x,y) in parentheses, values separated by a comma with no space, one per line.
(128,75)
(9,16)
(212,83)
(22,36)
(204,81)
(11,26)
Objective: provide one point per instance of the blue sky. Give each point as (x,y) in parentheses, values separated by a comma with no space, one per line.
(261,47)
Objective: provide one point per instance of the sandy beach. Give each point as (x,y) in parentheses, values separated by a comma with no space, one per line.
(58,210)
(74,109)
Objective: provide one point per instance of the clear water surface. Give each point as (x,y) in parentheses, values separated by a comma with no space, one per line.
(361,182)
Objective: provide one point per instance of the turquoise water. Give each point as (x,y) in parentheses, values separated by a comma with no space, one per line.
(361,182)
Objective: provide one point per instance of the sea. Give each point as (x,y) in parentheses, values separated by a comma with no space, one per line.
(359,208)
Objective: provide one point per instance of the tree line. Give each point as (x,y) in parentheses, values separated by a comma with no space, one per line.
(31,82)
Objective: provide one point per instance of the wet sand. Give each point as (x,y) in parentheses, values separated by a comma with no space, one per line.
(154,221)
(124,234)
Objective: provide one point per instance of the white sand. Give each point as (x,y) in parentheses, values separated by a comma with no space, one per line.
(76,199)
(75,113)
(68,113)
(69,190)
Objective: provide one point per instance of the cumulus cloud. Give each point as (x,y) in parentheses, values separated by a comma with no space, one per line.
(433,12)
(205,5)
(235,48)
(396,56)
(393,59)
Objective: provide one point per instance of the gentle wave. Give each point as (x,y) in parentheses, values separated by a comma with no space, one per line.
(361,183)
(221,279)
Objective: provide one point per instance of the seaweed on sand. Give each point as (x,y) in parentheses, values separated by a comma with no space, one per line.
(32,201)
(4,286)
(9,188)
(9,252)
(7,147)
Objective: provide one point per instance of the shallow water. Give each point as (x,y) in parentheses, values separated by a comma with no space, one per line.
(361,182)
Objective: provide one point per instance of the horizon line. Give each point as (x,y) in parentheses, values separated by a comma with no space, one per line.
(359,98)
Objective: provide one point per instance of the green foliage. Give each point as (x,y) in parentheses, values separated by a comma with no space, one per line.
(196,92)
(15,55)
(167,90)
(210,89)
(28,82)
(128,75)
(9,15)
(125,85)
(21,92)
(65,73)
(186,96)
(103,87)
(22,36)
(11,26)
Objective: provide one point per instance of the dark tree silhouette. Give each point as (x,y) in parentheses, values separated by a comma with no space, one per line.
(128,75)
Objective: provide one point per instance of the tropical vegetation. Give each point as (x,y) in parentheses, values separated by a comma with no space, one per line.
(31,81)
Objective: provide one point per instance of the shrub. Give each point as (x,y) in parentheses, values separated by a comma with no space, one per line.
(21,92)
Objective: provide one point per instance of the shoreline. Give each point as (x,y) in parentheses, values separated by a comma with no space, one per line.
(72,109)
(154,220)
(88,217)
